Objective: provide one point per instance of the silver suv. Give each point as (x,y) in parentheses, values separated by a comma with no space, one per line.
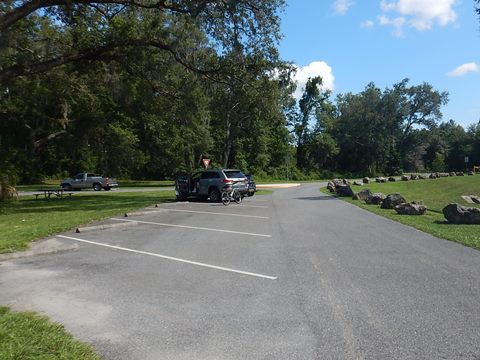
(209,184)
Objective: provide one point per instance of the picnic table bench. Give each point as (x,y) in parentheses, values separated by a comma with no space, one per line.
(47,193)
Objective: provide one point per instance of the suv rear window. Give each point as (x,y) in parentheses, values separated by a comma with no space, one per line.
(210,175)
(234,174)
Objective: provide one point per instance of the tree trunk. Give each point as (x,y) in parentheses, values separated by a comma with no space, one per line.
(227,144)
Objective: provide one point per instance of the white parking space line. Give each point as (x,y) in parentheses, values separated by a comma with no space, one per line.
(242,205)
(170,258)
(255,206)
(216,213)
(195,228)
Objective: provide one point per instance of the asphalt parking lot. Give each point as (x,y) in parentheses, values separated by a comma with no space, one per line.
(186,233)
(291,275)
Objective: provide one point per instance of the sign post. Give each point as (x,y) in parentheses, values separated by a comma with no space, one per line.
(206,163)
(466,163)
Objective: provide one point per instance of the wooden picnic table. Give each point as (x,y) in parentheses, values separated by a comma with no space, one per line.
(47,193)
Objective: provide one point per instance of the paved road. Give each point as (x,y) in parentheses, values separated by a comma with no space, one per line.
(299,275)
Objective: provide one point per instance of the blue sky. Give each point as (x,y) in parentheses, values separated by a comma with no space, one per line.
(353,42)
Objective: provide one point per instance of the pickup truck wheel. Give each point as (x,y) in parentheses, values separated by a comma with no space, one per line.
(66,187)
(97,187)
(214,195)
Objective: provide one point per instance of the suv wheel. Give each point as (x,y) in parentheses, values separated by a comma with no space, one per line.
(214,195)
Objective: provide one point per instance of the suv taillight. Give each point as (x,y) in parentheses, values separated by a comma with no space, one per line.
(228,181)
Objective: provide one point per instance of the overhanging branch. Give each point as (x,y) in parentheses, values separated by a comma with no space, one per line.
(97,54)
(29,7)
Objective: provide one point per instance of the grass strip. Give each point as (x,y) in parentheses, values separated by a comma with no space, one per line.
(29,219)
(435,194)
(26,335)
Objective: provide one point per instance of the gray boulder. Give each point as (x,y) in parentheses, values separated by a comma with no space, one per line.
(457,214)
(366,180)
(381,179)
(362,195)
(421,177)
(357,183)
(343,190)
(392,179)
(433,176)
(470,173)
(412,208)
(460,173)
(475,199)
(331,186)
(392,200)
(452,174)
(413,177)
(375,199)
(405,178)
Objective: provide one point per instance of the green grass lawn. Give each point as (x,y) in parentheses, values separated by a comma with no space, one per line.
(29,336)
(436,194)
(28,219)
(55,184)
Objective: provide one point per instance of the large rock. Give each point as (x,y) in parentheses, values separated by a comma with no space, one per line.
(460,173)
(433,176)
(470,173)
(457,214)
(343,190)
(357,183)
(392,179)
(392,200)
(375,199)
(362,195)
(381,179)
(412,208)
(366,180)
(452,173)
(475,199)
(421,177)
(405,178)
(331,186)
(413,177)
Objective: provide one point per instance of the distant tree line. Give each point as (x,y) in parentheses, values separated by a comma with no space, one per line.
(146,89)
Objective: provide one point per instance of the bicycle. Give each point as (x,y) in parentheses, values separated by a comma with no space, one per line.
(229,193)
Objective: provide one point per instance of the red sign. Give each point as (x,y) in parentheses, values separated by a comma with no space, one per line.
(206,162)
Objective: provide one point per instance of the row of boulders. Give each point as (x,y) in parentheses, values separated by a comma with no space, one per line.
(454,213)
(435,175)
(392,201)
(413,177)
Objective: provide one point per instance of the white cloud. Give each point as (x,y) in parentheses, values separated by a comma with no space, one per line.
(423,14)
(367,24)
(397,24)
(341,6)
(316,68)
(465,69)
